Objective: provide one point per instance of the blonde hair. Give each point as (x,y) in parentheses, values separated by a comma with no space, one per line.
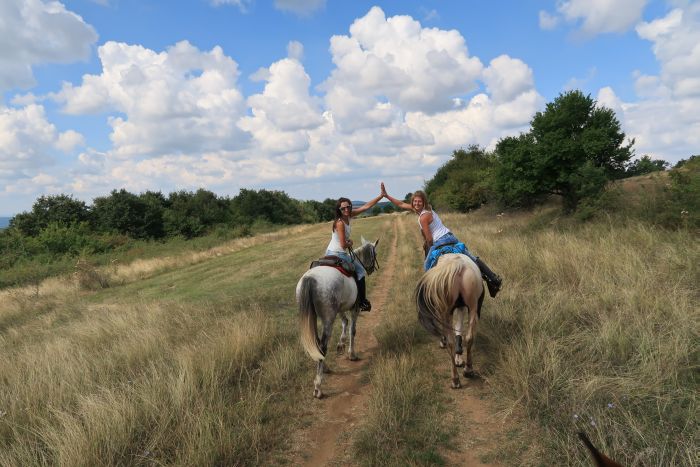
(421,194)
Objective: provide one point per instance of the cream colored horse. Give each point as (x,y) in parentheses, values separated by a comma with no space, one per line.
(444,294)
(324,292)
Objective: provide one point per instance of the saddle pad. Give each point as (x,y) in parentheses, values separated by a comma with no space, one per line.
(459,248)
(344,267)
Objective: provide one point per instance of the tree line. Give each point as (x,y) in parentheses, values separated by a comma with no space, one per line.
(573,150)
(60,225)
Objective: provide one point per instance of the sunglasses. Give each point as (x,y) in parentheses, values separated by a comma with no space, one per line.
(342,208)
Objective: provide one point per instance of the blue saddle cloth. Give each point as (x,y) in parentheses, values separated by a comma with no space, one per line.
(432,258)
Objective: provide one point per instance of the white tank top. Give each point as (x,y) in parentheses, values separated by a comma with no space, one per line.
(437,228)
(334,244)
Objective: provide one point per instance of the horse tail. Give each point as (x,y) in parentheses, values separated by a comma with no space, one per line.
(307,319)
(433,295)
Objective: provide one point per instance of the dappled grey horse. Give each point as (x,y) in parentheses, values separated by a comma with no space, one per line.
(324,292)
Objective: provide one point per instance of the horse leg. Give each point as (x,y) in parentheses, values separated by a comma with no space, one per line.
(471,334)
(451,352)
(443,342)
(353,329)
(340,348)
(458,320)
(325,337)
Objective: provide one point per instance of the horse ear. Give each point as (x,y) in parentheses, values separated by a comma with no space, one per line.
(375,243)
(363,240)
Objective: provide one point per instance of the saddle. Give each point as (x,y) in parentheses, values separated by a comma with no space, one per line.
(341,265)
(459,248)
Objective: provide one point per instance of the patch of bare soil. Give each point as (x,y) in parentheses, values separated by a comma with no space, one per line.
(326,442)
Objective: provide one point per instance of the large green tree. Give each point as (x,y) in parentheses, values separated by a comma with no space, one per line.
(572,149)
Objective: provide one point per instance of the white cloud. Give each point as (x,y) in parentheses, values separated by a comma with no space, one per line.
(180,100)
(300,7)
(665,121)
(506,78)
(395,60)
(28,141)
(596,16)
(69,140)
(34,32)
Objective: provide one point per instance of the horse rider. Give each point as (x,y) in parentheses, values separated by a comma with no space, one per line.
(341,243)
(437,235)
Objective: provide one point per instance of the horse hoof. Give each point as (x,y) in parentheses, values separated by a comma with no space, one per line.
(469,373)
(318,394)
(353,358)
(459,363)
(340,349)
(456,384)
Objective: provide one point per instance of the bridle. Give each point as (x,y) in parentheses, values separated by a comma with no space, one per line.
(373,262)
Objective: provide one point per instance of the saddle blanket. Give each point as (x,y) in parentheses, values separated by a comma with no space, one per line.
(459,248)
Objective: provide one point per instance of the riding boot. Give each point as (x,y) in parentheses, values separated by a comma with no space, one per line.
(365,305)
(493,281)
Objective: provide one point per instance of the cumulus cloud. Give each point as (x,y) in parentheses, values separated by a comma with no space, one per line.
(28,141)
(300,7)
(665,121)
(397,62)
(178,100)
(33,32)
(594,17)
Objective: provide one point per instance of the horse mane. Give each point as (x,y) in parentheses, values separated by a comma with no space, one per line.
(433,292)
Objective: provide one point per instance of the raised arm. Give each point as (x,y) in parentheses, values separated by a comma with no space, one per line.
(395,201)
(366,206)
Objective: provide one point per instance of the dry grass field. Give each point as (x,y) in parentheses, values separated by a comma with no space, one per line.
(194,359)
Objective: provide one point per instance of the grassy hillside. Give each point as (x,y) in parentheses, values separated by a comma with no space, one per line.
(194,359)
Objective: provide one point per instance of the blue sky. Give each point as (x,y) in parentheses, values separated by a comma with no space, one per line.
(318,98)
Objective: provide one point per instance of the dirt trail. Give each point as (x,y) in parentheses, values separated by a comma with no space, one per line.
(346,392)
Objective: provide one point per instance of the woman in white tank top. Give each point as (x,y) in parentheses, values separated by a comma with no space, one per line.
(340,242)
(436,234)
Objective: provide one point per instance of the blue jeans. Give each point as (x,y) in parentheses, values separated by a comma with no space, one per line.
(444,240)
(359,269)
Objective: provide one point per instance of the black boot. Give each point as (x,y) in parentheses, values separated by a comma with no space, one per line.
(365,305)
(493,281)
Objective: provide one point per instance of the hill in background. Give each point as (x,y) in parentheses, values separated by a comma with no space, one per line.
(4,222)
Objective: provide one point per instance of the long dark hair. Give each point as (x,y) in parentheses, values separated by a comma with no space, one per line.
(338,213)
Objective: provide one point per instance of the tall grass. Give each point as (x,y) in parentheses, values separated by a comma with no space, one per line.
(597,330)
